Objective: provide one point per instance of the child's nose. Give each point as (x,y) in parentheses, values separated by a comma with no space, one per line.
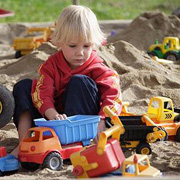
(79,52)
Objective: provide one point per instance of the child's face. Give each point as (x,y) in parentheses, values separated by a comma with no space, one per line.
(76,53)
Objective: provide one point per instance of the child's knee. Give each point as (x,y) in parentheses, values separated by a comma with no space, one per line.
(78,80)
(21,86)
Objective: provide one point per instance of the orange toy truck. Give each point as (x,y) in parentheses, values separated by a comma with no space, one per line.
(53,141)
(41,146)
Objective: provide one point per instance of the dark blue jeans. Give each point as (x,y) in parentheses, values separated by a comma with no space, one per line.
(80,97)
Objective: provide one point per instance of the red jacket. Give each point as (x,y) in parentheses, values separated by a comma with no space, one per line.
(55,73)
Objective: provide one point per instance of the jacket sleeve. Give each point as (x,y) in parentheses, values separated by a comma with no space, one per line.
(108,83)
(43,92)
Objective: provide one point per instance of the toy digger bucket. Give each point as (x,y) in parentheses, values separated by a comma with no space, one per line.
(115,131)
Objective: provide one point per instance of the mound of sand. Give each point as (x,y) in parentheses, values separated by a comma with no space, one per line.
(147,27)
(141,78)
(139,73)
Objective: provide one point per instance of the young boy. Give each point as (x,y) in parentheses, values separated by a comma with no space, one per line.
(72,81)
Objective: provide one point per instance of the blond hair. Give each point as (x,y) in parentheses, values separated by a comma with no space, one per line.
(77,22)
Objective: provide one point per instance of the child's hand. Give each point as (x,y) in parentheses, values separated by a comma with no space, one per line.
(60,116)
(53,114)
(101,127)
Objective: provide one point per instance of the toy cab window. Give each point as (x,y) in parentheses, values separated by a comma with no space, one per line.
(169,44)
(155,104)
(130,169)
(47,135)
(167,106)
(32,136)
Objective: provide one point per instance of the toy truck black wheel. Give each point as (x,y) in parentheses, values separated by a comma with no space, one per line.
(6,106)
(53,161)
(30,166)
(177,118)
(177,137)
(151,54)
(171,55)
(166,135)
(18,54)
(143,148)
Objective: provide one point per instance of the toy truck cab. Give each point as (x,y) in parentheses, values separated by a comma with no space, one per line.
(141,165)
(162,112)
(161,109)
(169,49)
(41,146)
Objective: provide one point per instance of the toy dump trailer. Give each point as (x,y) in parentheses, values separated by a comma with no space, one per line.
(137,134)
(79,128)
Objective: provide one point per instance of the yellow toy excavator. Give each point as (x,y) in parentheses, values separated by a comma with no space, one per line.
(107,156)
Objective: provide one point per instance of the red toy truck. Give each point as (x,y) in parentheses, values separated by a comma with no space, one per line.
(102,158)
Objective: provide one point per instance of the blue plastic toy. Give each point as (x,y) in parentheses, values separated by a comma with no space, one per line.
(8,162)
(79,128)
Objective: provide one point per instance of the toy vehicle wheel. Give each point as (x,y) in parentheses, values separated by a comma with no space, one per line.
(78,170)
(157,49)
(173,56)
(166,136)
(143,148)
(177,118)
(18,54)
(177,137)
(151,54)
(53,161)
(30,166)
(6,106)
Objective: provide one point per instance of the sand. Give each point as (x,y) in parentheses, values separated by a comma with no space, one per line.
(141,78)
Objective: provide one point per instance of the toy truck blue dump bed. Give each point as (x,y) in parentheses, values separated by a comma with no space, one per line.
(79,128)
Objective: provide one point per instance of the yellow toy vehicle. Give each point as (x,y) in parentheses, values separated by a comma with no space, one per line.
(106,156)
(141,165)
(161,112)
(169,49)
(35,37)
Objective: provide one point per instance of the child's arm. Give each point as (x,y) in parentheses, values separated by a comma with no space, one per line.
(108,84)
(43,92)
